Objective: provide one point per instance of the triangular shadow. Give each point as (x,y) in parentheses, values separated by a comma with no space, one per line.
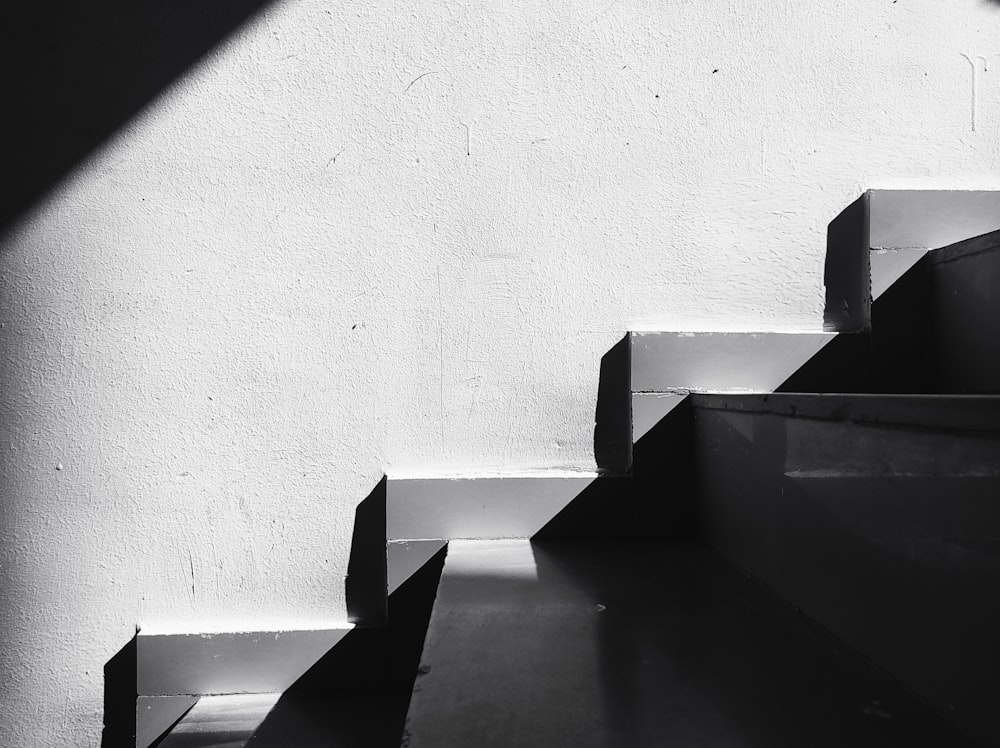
(120,698)
(77,72)
(657,500)
(357,695)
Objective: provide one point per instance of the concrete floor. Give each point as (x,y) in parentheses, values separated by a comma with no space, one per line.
(639,644)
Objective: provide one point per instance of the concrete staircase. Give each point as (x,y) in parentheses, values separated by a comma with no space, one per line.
(774,481)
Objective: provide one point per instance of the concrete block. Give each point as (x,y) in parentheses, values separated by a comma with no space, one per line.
(489,507)
(244,662)
(719,361)
(929,219)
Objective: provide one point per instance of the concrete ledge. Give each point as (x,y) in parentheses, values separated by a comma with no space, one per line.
(479,508)
(681,362)
(930,219)
(245,662)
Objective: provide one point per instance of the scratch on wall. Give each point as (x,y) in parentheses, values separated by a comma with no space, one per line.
(440,358)
(973,61)
(468,140)
(422,75)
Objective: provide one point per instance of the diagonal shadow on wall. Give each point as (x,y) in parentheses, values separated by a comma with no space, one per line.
(74,73)
(119,698)
(366,582)
(612,418)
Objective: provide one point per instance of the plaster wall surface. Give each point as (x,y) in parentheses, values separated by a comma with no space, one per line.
(400,236)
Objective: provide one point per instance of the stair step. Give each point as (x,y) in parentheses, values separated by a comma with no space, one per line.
(513,506)
(175,671)
(221,721)
(640,643)
(354,696)
(227,663)
(928,219)
(719,361)
(878,516)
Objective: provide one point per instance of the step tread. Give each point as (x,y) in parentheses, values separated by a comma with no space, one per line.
(599,644)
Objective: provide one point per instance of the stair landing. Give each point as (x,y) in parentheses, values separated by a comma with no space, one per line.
(639,644)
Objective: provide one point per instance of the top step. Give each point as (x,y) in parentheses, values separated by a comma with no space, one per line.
(912,277)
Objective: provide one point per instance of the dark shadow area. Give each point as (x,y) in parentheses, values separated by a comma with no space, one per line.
(605,508)
(902,350)
(964,297)
(845,273)
(842,365)
(899,566)
(934,330)
(76,72)
(119,698)
(366,583)
(663,475)
(612,419)
(656,501)
(358,694)
(641,643)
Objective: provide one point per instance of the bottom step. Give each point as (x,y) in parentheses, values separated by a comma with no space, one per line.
(613,644)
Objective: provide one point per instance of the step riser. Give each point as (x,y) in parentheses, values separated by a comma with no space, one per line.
(254,662)
(665,362)
(887,535)
(929,219)
(173,671)
(654,502)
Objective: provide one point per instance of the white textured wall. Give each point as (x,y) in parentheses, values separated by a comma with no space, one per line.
(288,275)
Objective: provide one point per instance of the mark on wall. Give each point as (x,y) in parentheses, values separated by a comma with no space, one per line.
(440,299)
(334,159)
(194,595)
(468,141)
(422,75)
(974,62)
